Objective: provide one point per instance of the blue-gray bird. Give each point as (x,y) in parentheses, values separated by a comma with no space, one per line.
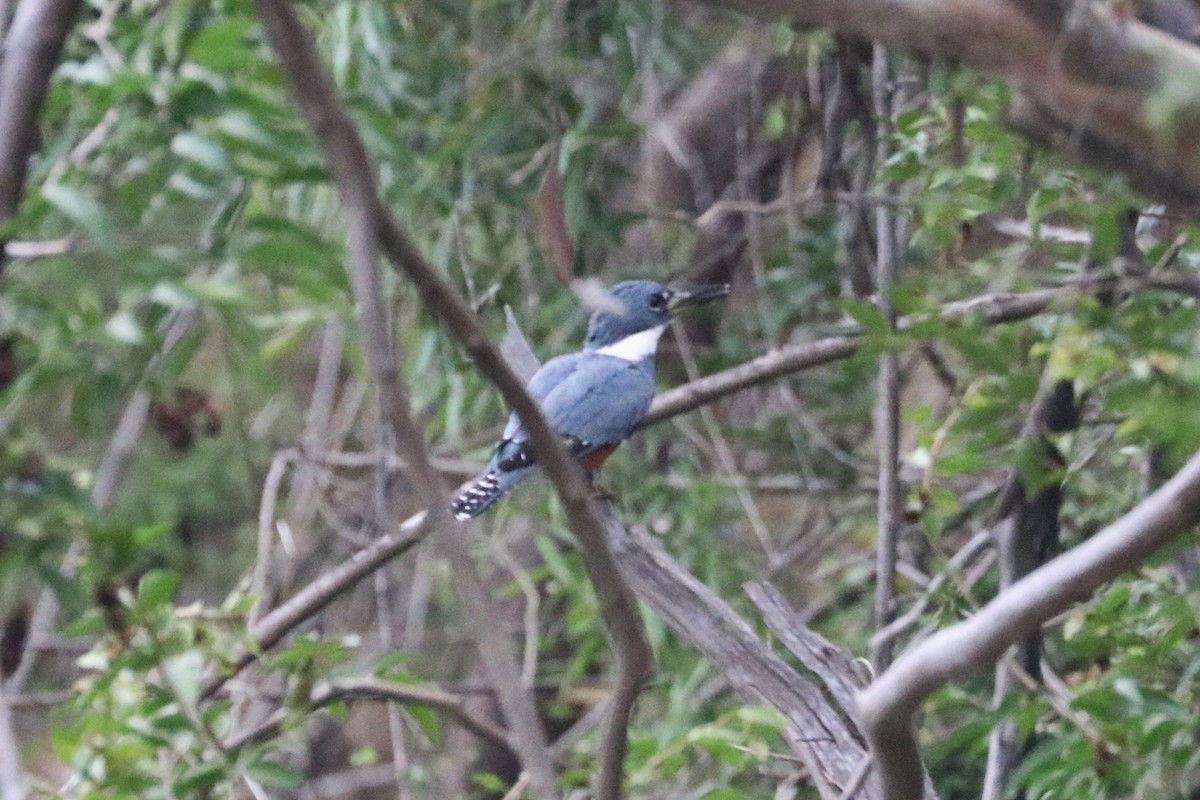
(594,398)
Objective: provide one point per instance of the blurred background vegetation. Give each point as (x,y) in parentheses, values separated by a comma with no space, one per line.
(180,237)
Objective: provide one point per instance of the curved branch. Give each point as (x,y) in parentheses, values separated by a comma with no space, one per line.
(888,705)
(352,172)
(30,54)
(1114,85)
(992,309)
(450,704)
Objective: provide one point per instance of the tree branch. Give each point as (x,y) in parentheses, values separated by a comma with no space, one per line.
(1116,86)
(448,703)
(273,626)
(824,736)
(887,410)
(318,101)
(30,54)
(888,706)
(991,309)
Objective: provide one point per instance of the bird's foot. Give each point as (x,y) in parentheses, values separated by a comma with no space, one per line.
(599,490)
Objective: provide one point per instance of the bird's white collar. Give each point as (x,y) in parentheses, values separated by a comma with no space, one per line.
(636,347)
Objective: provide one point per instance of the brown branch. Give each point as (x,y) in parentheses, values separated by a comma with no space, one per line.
(448,703)
(30,54)
(887,410)
(888,706)
(273,626)
(1117,87)
(318,101)
(990,309)
(836,668)
(354,177)
(827,742)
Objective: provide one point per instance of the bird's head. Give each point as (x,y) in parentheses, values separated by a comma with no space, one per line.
(645,306)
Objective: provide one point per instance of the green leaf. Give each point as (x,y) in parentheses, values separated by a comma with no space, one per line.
(364,756)
(223,46)
(156,588)
(726,793)
(868,315)
(274,774)
(82,209)
(202,151)
(184,671)
(198,779)
(426,719)
(959,463)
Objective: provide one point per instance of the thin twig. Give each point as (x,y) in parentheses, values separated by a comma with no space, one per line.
(905,623)
(276,624)
(887,412)
(369,688)
(989,309)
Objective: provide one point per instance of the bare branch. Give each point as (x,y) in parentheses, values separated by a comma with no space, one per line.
(13,783)
(888,706)
(448,703)
(990,309)
(321,592)
(824,736)
(30,55)
(352,172)
(1102,75)
(887,410)
(836,668)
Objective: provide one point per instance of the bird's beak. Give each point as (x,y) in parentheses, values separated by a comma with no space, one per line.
(694,296)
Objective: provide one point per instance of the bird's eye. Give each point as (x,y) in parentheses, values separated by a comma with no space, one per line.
(658,300)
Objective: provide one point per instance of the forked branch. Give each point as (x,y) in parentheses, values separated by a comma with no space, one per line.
(887,706)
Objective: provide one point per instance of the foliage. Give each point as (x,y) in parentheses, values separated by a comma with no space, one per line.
(205,268)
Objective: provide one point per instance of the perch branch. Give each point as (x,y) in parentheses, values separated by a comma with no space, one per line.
(823,736)
(318,101)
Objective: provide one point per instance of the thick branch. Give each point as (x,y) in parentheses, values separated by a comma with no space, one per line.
(320,104)
(887,707)
(1128,87)
(30,54)
(825,739)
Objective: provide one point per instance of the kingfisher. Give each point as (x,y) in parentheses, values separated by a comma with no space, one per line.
(594,398)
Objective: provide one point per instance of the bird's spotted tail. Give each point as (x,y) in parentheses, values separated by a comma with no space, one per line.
(478,497)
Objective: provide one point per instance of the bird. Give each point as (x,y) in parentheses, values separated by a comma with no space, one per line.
(594,398)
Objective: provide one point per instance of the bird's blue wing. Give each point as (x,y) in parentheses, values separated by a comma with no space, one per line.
(601,400)
(551,374)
